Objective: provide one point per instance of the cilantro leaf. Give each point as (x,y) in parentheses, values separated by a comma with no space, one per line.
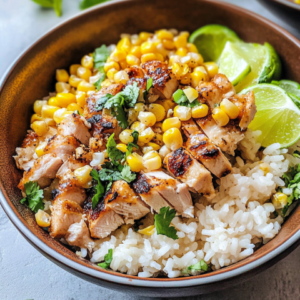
(89,3)
(163,221)
(199,266)
(107,259)
(114,154)
(99,188)
(127,175)
(101,54)
(34,196)
(130,145)
(135,135)
(97,84)
(109,175)
(181,99)
(296,153)
(57,7)
(149,84)
(44,3)
(119,113)
(131,94)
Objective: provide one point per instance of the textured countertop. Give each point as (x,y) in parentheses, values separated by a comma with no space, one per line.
(24,272)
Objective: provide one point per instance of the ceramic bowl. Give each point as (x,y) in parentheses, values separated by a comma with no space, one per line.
(32,76)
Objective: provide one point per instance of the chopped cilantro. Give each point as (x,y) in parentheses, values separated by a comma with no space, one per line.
(89,3)
(127,175)
(107,260)
(100,56)
(97,84)
(181,99)
(132,145)
(199,266)
(114,154)
(163,221)
(99,188)
(34,196)
(149,84)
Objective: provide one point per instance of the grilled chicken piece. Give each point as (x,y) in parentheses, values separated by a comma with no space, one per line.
(89,109)
(62,146)
(164,81)
(187,169)
(76,126)
(136,74)
(102,220)
(64,214)
(70,165)
(104,124)
(123,201)
(78,235)
(226,137)
(246,104)
(158,189)
(43,170)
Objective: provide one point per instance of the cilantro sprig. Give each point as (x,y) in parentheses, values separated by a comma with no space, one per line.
(125,99)
(34,196)
(163,220)
(100,56)
(107,260)
(99,188)
(181,99)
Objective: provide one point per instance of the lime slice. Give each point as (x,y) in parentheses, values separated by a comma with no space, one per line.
(289,86)
(211,39)
(233,65)
(277,116)
(264,62)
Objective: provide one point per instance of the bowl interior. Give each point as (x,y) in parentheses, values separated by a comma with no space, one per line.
(32,77)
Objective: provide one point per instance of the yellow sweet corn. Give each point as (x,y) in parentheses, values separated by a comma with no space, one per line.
(73,69)
(164,34)
(183,113)
(50,122)
(111,65)
(124,44)
(60,114)
(220,116)
(136,51)
(192,48)
(132,60)
(48,111)
(111,73)
(42,218)
(87,62)
(118,55)
(192,59)
(173,139)
(83,176)
(138,126)
(180,70)
(37,106)
(158,110)
(198,74)
(148,57)
(40,127)
(167,104)
(180,41)
(80,98)
(154,146)
(62,75)
(53,101)
(200,111)
(75,107)
(158,139)
(64,99)
(84,73)
(147,118)
(279,200)
(123,64)
(171,123)
(148,47)
(265,168)
(164,151)
(74,80)
(182,51)
(191,94)
(152,160)
(168,44)
(144,36)
(148,230)
(146,136)
(159,57)
(84,86)
(122,147)
(39,150)
(62,87)
(230,108)
(121,77)
(135,162)
(125,136)
(211,68)
(36,117)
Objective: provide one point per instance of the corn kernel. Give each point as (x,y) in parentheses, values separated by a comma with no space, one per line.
(148,47)
(158,139)
(154,146)
(148,57)
(265,168)
(62,75)
(144,36)
(192,48)
(50,122)
(211,68)
(132,60)
(140,107)
(171,123)
(147,118)
(220,116)
(124,44)
(84,86)
(184,33)
(48,111)
(164,34)
(75,107)
(73,69)
(184,113)
(53,101)
(64,99)
(167,104)
(83,176)
(180,41)
(106,83)
(135,40)
(182,51)
(118,55)
(173,139)
(159,57)
(36,117)
(146,136)
(180,70)
(39,150)
(84,73)
(125,136)
(42,218)
(200,111)
(152,160)
(279,200)
(37,106)
(230,108)
(111,73)
(138,126)
(74,80)
(168,44)
(40,127)
(174,59)
(136,51)
(198,75)
(148,230)
(121,77)
(87,62)
(135,162)
(122,147)
(62,87)
(60,114)
(164,151)
(192,59)
(81,98)
(191,94)
(111,65)
(158,110)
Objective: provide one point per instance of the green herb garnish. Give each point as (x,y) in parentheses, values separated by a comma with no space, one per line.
(100,56)
(34,196)
(181,99)
(149,84)
(296,153)
(163,220)
(55,4)
(107,260)
(99,188)
(84,4)
(199,266)
(113,153)
(97,84)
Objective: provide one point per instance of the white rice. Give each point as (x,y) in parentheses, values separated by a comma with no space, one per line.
(223,231)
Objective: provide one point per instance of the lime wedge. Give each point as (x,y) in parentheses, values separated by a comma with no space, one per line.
(233,65)
(211,39)
(277,116)
(289,86)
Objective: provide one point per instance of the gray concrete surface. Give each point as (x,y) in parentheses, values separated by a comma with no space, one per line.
(24,272)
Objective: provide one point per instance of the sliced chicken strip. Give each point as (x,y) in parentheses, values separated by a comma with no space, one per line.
(123,201)
(78,235)
(62,146)
(43,170)
(164,81)
(149,195)
(71,165)
(76,126)
(64,214)
(187,169)
(224,84)
(136,74)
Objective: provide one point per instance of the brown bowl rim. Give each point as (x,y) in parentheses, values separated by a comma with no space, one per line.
(288,3)
(95,272)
